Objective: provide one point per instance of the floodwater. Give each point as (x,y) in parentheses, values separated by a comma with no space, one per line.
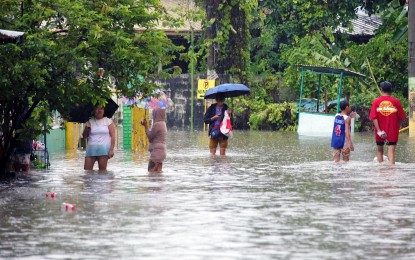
(274,196)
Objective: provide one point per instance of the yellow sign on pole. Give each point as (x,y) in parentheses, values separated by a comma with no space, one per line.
(203,85)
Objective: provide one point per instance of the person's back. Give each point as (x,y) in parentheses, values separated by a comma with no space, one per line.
(386,112)
(157,137)
(341,139)
(158,132)
(339,131)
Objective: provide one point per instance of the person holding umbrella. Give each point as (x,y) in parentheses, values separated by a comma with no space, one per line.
(100,131)
(216,112)
(213,117)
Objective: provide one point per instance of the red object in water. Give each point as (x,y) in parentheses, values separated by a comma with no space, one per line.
(69,207)
(52,195)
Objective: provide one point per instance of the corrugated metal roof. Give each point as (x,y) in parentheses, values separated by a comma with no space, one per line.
(363,25)
(6,34)
(328,70)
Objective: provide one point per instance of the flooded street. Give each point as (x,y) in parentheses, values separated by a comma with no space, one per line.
(274,196)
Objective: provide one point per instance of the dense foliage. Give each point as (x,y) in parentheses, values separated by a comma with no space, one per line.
(229,38)
(259,43)
(66,43)
(284,34)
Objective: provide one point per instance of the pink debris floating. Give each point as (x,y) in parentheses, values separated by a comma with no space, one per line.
(68,207)
(51,195)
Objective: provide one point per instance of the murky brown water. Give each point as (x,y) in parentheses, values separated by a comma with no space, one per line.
(274,196)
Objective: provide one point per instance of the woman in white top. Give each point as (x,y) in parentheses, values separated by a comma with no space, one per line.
(100,132)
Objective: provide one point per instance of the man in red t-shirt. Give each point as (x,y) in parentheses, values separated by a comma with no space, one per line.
(386,113)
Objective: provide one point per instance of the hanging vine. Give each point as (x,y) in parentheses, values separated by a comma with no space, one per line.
(229,36)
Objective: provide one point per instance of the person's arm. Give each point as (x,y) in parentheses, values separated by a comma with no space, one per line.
(149,133)
(215,117)
(374,117)
(87,130)
(379,131)
(210,117)
(348,135)
(401,112)
(376,124)
(373,111)
(111,129)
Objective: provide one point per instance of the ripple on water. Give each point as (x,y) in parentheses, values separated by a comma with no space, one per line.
(274,196)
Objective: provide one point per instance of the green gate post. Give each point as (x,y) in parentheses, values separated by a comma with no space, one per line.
(339,92)
(318,92)
(301,90)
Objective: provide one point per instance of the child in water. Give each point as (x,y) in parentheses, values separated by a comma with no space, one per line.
(341,140)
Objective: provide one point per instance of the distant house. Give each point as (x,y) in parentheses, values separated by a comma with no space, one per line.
(7,36)
(177,9)
(363,28)
(179,33)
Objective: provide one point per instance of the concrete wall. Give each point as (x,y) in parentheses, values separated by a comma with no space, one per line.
(317,124)
(179,90)
(55,140)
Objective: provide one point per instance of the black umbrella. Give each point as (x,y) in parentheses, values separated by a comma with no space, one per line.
(227,90)
(82,113)
(110,108)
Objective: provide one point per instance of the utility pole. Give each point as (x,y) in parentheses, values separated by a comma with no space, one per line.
(192,75)
(411,65)
(190,16)
(210,35)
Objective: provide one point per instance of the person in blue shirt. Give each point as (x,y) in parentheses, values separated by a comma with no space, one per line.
(341,140)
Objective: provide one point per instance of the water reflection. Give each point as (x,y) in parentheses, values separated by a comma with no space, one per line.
(274,196)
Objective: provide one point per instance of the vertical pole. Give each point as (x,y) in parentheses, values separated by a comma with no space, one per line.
(116,125)
(44,134)
(204,112)
(301,90)
(318,93)
(339,92)
(210,35)
(76,139)
(411,65)
(69,132)
(357,94)
(355,103)
(192,83)
(70,139)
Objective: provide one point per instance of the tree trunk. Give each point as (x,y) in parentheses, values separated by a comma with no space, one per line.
(210,34)
(15,114)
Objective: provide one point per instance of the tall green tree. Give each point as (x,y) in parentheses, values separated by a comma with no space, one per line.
(227,41)
(66,42)
(285,22)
